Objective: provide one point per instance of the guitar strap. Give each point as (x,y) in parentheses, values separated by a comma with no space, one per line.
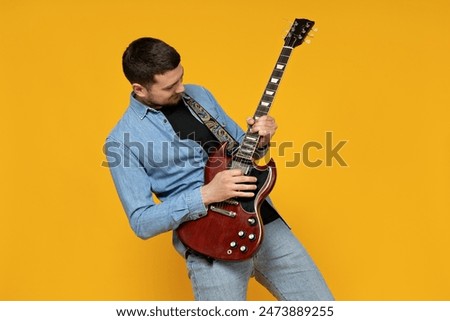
(213,125)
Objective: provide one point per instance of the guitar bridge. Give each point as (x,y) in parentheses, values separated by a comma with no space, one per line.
(222,211)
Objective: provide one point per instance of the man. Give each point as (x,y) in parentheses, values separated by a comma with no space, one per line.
(160,148)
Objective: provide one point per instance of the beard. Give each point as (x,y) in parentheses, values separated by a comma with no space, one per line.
(171,101)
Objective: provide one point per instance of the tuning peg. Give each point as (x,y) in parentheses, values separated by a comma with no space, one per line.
(315,29)
(308,41)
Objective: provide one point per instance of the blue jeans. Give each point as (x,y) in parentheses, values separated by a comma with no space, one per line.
(281,265)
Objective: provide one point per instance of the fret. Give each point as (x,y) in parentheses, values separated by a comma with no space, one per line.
(248,145)
(252,137)
(242,160)
(261,113)
(286,51)
(283,60)
(246,150)
(277,74)
(267,97)
(246,153)
(263,108)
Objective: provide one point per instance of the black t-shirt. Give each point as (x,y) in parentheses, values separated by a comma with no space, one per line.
(188,127)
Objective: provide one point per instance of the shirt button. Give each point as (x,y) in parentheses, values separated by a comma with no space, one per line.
(165,120)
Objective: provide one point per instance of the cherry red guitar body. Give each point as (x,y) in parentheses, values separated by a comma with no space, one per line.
(233,229)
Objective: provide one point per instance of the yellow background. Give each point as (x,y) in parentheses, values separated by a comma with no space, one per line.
(376,75)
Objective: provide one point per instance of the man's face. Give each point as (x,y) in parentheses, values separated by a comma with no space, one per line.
(165,91)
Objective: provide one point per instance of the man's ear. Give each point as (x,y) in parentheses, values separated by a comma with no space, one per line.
(139,90)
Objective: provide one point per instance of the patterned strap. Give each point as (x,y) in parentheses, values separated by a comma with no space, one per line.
(213,125)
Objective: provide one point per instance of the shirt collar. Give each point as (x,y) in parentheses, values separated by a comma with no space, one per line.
(139,108)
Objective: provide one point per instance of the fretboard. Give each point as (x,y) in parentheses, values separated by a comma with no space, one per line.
(251,140)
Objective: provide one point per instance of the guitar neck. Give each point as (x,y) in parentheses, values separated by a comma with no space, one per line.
(272,86)
(295,37)
(251,140)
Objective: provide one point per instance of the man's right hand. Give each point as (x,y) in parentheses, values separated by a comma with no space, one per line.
(228,184)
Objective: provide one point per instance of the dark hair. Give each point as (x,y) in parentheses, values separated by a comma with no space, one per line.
(146,57)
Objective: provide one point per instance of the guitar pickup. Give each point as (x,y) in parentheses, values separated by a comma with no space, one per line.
(222,211)
(231,202)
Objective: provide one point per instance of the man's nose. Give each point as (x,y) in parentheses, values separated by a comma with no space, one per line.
(180,88)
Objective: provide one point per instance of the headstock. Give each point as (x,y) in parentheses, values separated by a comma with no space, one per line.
(298,32)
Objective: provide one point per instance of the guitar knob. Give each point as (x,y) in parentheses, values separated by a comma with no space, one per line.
(243,249)
(233,244)
(251,237)
(251,221)
(241,234)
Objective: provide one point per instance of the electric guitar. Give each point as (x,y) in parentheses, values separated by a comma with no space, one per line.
(233,229)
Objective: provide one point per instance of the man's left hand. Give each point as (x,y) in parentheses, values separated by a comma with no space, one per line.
(265,126)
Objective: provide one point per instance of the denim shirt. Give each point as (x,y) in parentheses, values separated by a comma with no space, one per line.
(147,158)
